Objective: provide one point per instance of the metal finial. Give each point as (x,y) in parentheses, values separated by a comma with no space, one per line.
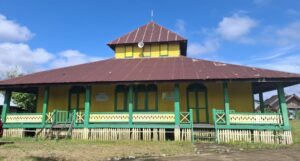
(152,14)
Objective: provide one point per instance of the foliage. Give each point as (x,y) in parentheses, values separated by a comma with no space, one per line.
(25,101)
(298,114)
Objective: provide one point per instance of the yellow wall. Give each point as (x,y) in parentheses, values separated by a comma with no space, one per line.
(240,97)
(58,98)
(149,50)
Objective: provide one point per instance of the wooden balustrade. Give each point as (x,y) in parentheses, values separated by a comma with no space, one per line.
(24,118)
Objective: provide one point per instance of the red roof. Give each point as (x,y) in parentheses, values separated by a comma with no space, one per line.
(149,69)
(149,33)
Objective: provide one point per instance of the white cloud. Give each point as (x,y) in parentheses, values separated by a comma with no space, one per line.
(289,34)
(293,12)
(22,56)
(283,59)
(71,57)
(15,54)
(236,27)
(180,27)
(11,31)
(208,46)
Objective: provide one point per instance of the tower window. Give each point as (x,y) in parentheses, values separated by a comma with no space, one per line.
(128,52)
(147,51)
(164,50)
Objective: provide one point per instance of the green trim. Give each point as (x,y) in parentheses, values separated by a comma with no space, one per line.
(87,105)
(6,105)
(77,90)
(197,88)
(146,89)
(123,90)
(130,104)
(261,102)
(45,104)
(282,105)
(253,99)
(226,103)
(177,104)
(140,89)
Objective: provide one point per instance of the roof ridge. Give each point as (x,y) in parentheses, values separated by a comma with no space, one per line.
(141,34)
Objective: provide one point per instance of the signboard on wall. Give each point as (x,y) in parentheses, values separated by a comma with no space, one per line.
(168,96)
(101,97)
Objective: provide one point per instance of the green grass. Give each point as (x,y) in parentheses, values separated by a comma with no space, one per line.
(30,149)
(295,124)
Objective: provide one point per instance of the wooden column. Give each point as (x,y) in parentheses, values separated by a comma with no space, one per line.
(130,104)
(87,105)
(45,104)
(283,106)
(177,104)
(226,103)
(261,102)
(6,105)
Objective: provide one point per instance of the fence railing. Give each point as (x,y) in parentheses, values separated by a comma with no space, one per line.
(24,118)
(61,117)
(244,118)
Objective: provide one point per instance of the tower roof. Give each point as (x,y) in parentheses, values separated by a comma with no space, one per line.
(150,33)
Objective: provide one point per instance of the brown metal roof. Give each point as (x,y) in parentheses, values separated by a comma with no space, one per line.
(151,32)
(149,69)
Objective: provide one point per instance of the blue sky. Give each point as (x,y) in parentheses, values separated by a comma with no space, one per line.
(39,35)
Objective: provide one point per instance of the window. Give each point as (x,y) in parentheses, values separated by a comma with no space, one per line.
(121,98)
(76,98)
(163,49)
(140,98)
(147,51)
(197,100)
(152,97)
(128,52)
(146,98)
(120,51)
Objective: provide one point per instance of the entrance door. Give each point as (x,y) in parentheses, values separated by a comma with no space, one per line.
(197,100)
(76,98)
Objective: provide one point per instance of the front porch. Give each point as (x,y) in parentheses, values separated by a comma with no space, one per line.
(184,123)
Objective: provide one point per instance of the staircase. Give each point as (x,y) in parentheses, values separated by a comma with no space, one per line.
(62,125)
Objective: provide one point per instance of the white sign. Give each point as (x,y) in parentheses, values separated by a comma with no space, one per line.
(168,96)
(101,97)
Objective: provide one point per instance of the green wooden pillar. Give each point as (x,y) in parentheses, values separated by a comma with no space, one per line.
(87,105)
(226,103)
(177,104)
(283,106)
(6,105)
(45,104)
(261,102)
(130,104)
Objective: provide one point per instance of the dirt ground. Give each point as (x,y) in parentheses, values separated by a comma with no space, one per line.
(29,149)
(213,152)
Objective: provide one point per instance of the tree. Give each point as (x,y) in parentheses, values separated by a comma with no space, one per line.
(25,101)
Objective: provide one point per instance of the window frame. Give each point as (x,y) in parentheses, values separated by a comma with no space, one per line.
(160,50)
